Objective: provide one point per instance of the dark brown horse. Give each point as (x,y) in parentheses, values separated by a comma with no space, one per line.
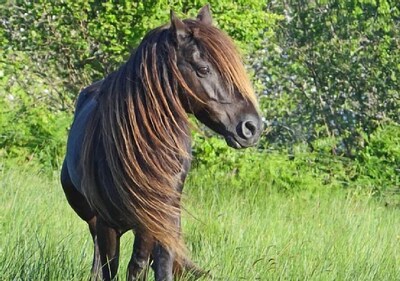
(129,147)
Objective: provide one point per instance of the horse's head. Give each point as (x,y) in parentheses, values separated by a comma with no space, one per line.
(218,90)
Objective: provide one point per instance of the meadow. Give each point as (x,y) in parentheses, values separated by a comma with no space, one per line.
(238,228)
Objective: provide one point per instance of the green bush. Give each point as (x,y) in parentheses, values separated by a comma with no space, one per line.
(331,72)
(286,172)
(378,165)
(33,125)
(375,170)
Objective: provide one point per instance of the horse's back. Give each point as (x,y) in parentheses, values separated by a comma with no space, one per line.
(85,107)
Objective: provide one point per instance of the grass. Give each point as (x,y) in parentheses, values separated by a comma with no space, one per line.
(240,230)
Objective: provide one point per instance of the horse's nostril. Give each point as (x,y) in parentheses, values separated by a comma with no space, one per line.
(248,129)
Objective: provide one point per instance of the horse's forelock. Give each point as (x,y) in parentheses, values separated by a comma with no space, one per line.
(221,50)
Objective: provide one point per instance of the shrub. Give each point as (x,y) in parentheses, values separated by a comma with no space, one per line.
(33,125)
(332,72)
(378,164)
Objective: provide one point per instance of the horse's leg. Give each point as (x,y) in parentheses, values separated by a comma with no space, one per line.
(163,263)
(142,256)
(96,273)
(166,266)
(82,208)
(108,242)
(142,247)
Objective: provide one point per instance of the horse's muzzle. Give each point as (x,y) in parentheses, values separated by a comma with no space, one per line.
(247,133)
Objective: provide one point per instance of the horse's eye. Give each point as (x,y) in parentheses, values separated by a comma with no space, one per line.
(203,70)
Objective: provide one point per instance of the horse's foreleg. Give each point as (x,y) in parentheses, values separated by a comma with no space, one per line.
(142,247)
(108,244)
(163,263)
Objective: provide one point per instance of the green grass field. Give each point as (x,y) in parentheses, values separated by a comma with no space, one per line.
(237,231)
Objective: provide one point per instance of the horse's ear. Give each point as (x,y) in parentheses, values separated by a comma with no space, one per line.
(204,15)
(178,28)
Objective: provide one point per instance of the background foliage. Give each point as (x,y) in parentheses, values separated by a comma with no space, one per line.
(327,74)
(333,72)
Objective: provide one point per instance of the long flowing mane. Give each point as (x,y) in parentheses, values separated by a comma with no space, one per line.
(141,127)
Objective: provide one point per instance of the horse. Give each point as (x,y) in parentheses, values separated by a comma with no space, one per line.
(129,145)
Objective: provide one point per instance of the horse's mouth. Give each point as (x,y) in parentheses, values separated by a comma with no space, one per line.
(233,143)
(238,143)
